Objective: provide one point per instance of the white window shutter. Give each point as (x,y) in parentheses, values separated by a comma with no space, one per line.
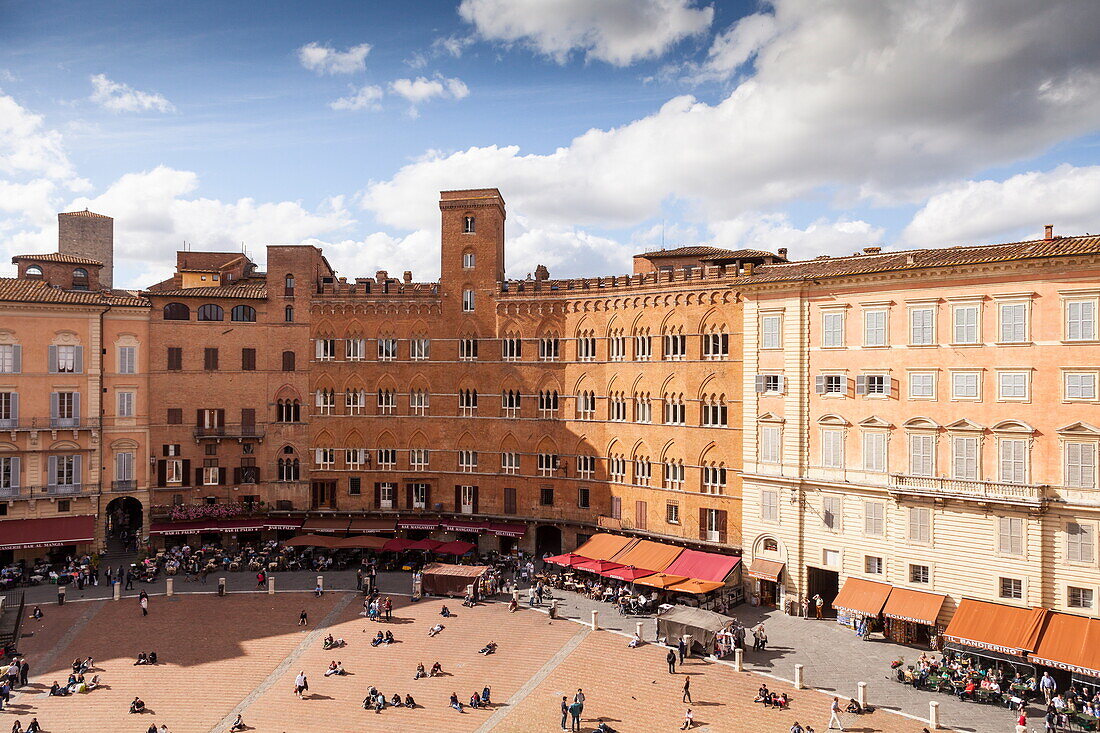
(78,359)
(761,382)
(52,359)
(861,384)
(782,384)
(17,358)
(819,384)
(76,408)
(51,471)
(15,472)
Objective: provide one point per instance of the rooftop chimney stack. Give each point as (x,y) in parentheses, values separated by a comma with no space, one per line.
(872,250)
(1048,232)
(782,252)
(87,234)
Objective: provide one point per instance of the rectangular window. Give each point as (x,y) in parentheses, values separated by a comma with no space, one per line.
(1011,588)
(387,348)
(510,504)
(832,448)
(966,324)
(716,346)
(922,385)
(921,458)
(1012,386)
(418,459)
(919,574)
(1080,386)
(355,486)
(467,301)
(1080,471)
(549,348)
(964,458)
(872,565)
(714,480)
(1013,323)
(873,385)
(583,498)
(672,513)
(211,475)
(831,384)
(641,515)
(1081,542)
(175,359)
(548,464)
(874,328)
(419,494)
(420,349)
(586,466)
(509,463)
(546,497)
(616,507)
(387,495)
(467,349)
(248,360)
(874,518)
(920,525)
(467,499)
(9,409)
(1079,597)
(355,349)
(922,326)
(832,512)
(769,505)
(965,385)
(66,359)
(127,359)
(643,348)
(9,474)
(769,383)
(173,471)
(1012,460)
(326,349)
(1010,535)
(125,404)
(874,452)
(387,459)
(11,358)
(65,409)
(675,347)
(832,329)
(210,359)
(769,450)
(1081,320)
(616,348)
(770,332)
(467,461)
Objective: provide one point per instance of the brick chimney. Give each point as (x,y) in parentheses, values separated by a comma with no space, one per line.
(1048,232)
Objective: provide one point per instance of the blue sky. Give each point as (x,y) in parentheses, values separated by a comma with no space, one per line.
(808,124)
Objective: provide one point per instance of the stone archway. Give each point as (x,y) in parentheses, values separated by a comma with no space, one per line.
(124,519)
(547,540)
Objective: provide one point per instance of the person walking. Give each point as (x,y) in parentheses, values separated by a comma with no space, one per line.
(579,697)
(681,649)
(834,714)
(129,581)
(671,659)
(564,711)
(1021,722)
(387,608)
(260,578)
(359,579)
(575,716)
(24,672)
(687,689)
(143,601)
(303,618)
(1048,686)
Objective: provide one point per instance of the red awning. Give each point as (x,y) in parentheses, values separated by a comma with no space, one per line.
(463,525)
(177,528)
(312,540)
(598,566)
(52,532)
(288,523)
(458,547)
(703,565)
(326,524)
(423,545)
(418,524)
(567,560)
(629,573)
(508,530)
(398,544)
(372,525)
(360,542)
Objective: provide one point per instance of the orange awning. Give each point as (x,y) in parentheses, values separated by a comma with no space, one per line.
(646,554)
(1071,643)
(694,585)
(360,542)
(913,605)
(605,546)
(861,597)
(660,580)
(766,570)
(996,627)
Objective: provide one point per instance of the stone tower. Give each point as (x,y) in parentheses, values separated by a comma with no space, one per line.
(86,234)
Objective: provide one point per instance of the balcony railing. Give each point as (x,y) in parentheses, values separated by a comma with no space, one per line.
(43,423)
(41,492)
(230,431)
(1028,494)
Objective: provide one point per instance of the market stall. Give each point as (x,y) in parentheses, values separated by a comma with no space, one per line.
(450,580)
(703,626)
(910,616)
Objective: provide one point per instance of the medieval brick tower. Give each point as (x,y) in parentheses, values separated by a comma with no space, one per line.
(87,234)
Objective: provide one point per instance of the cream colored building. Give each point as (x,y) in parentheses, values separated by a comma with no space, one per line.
(926,420)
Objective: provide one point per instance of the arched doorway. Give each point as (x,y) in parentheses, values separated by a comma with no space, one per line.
(547,540)
(124,522)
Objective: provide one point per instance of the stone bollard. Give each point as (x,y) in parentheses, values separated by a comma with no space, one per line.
(798,682)
(118,590)
(271,585)
(686,638)
(221,586)
(595,620)
(861,694)
(933,715)
(169,587)
(321,582)
(61,595)
(739,660)
(638,629)
(553,609)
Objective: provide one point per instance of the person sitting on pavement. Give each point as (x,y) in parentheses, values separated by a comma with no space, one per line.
(420,671)
(238,724)
(409,702)
(388,638)
(142,658)
(445,612)
(437,670)
(57,690)
(137,706)
(378,639)
(475,700)
(485,696)
(152,658)
(435,629)
(488,648)
(454,703)
(854,707)
(332,669)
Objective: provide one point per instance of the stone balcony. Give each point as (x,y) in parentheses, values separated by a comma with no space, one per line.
(1031,495)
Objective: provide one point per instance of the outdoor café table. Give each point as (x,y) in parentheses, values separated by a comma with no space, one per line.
(1087,722)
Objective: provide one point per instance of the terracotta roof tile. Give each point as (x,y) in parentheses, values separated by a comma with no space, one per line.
(85,213)
(920,259)
(691,251)
(233,291)
(58,257)
(36,291)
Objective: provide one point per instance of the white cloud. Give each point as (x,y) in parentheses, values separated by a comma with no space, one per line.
(857,101)
(119,97)
(453,46)
(27,148)
(1004,211)
(365,97)
(619,32)
(770,232)
(327,60)
(6,75)
(736,45)
(421,89)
